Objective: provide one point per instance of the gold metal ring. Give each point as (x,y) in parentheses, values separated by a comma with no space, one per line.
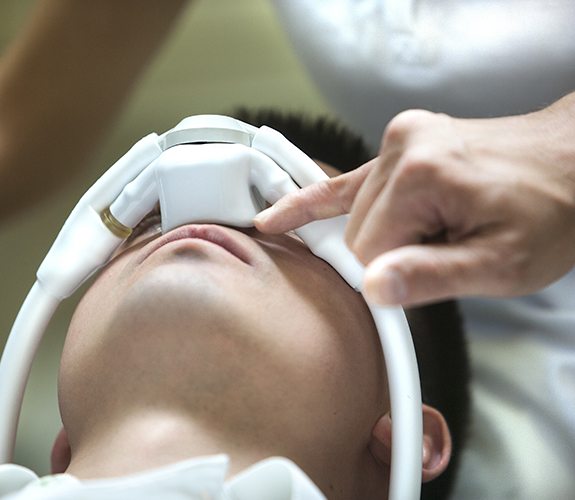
(114,225)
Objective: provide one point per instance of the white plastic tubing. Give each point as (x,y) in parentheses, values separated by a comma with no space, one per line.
(17,358)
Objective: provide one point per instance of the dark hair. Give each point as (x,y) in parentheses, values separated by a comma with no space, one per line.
(441,351)
(437,329)
(321,138)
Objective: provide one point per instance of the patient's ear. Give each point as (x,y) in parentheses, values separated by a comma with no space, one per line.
(61,453)
(380,443)
(436,451)
(436,443)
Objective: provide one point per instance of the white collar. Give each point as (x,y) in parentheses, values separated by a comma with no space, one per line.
(197,478)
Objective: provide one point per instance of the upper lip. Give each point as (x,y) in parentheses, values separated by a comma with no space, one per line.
(223,237)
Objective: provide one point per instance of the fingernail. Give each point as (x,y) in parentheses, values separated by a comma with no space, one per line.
(385,287)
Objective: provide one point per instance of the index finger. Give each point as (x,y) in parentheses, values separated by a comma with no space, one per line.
(319,201)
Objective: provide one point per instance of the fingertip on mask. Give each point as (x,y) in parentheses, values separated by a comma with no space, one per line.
(262,217)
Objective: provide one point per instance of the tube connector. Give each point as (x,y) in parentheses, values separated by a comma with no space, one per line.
(114,225)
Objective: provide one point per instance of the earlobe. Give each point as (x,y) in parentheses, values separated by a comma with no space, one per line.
(380,444)
(436,443)
(61,453)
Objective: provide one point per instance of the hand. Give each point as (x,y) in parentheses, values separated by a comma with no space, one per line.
(454,207)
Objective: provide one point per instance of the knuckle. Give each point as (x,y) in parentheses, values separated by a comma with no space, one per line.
(419,163)
(404,123)
(343,193)
(331,190)
(307,206)
(324,196)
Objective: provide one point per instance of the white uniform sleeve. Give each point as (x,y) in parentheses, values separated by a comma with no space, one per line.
(372,59)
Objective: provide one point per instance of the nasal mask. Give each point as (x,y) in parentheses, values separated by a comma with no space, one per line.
(206,169)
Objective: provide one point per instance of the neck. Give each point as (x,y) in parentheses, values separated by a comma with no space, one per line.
(148,439)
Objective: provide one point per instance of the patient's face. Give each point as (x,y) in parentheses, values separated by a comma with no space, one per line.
(248,332)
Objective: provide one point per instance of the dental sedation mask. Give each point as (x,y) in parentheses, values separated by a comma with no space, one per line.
(206,169)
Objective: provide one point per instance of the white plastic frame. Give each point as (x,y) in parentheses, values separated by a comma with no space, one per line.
(131,187)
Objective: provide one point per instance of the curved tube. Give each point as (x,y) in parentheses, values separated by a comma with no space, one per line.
(16,362)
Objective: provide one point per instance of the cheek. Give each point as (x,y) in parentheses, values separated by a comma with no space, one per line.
(326,371)
(96,306)
(325,341)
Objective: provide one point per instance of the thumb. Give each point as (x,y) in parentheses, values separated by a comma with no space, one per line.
(416,274)
(318,201)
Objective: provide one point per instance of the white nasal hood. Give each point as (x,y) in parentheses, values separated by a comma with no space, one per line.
(206,169)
